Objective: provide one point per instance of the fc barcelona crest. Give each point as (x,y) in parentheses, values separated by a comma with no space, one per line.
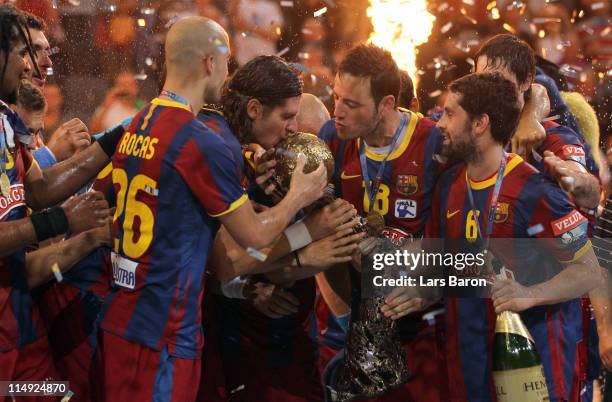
(501,212)
(407,184)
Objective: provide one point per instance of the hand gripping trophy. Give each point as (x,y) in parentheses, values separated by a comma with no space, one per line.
(374,360)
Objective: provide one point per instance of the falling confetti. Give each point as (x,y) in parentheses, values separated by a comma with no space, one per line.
(469,18)
(468,2)
(141,76)
(495,14)
(509,28)
(149,61)
(435,93)
(304,55)
(446,27)
(286,4)
(49,71)
(141,22)
(282,52)
(491,5)
(597,6)
(542,20)
(75,3)
(148,11)
(320,12)
(54,4)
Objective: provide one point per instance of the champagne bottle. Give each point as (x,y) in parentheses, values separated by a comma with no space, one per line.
(517,369)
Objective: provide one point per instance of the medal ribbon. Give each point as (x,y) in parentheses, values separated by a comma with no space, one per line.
(494,199)
(370,189)
(176,98)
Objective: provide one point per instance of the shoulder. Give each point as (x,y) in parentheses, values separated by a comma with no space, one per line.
(328,132)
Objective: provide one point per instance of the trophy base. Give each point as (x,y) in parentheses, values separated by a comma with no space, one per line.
(375,361)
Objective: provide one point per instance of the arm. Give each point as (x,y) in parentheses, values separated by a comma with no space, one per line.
(50,186)
(601,300)
(576,279)
(335,287)
(260,230)
(66,254)
(82,212)
(574,178)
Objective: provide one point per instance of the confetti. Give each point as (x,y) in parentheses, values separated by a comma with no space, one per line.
(329,90)
(141,22)
(543,20)
(300,67)
(470,61)
(606,31)
(541,33)
(581,14)
(68,396)
(442,7)
(278,30)
(141,76)
(320,12)
(491,5)
(509,28)
(435,93)
(238,388)
(330,3)
(569,71)
(282,52)
(56,272)
(465,14)
(534,230)
(495,14)
(147,11)
(468,2)
(75,3)
(258,255)
(446,27)
(304,55)
(171,22)
(286,3)
(112,8)
(54,4)
(149,61)
(598,5)
(306,31)
(49,71)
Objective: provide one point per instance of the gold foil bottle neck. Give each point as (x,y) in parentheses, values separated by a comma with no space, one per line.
(509,322)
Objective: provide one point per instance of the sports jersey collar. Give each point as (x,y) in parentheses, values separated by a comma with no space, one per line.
(170,103)
(407,136)
(514,161)
(211,110)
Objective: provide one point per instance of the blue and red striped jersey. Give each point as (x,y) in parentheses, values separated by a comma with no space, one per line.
(529,206)
(19,315)
(173,178)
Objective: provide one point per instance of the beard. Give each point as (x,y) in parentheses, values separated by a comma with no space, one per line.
(463,149)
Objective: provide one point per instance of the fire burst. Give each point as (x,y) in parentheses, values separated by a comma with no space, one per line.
(400,26)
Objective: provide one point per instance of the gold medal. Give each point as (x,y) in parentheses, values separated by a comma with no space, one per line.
(376,222)
(5,184)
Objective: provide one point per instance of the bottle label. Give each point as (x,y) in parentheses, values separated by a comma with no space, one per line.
(524,385)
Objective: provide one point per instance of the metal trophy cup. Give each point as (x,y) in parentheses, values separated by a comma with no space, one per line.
(374,357)
(375,361)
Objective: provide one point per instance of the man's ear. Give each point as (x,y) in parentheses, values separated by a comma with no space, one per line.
(480,123)
(208,62)
(254,108)
(386,105)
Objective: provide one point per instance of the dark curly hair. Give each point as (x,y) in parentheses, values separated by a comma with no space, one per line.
(377,64)
(31,97)
(13,28)
(269,79)
(493,95)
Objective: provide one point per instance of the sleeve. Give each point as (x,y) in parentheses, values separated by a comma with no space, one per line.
(563,228)
(28,159)
(44,157)
(208,167)
(565,143)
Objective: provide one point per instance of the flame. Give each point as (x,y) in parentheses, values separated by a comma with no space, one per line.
(400,26)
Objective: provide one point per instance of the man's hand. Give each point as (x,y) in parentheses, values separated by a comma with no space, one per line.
(330,219)
(509,295)
(307,188)
(331,250)
(264,168)
(605,348)
(402,301)
(87,211)
(101,235)
(573,178)
(272,301)
(530,133)
(69,138)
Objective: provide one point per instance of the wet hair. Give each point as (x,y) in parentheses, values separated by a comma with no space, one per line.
(377,64)
(269,79)
(508,51)
(406,94)
(493,95)
(30,97)
(13,28)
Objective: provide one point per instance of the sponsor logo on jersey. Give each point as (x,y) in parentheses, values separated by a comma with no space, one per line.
(567,223)
(124,271)
(15,199)
(397,236)
(501,212)
(345,176)
(407,184)
(450,214)
(405,209)
(574,153)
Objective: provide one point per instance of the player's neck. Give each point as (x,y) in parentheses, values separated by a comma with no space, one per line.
(193,94)
(385,131)
(486,163)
